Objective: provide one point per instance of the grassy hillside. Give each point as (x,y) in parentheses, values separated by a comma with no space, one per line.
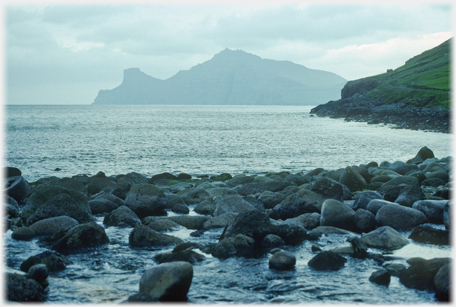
(423,81)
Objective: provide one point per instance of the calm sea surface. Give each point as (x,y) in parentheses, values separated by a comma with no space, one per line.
(207,140)
(197,140)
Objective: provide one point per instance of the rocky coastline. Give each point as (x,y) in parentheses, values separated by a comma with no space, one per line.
(260,216)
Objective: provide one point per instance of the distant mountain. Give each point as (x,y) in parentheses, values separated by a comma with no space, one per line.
(231,77)
(415,95)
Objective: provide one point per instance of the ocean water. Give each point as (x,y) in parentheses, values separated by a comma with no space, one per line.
(197,140)
(207,140)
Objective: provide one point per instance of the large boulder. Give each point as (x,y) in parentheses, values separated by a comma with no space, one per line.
(363,199)
(146,199)
(196,196)
(38,272)
(409,195)
(19,288)
(53,225)
(407,180)
(282,261)
(17,187)
(144,236)
(70,184)
(23,234)
(291,231)
(62,204)
(399,217)
(352,179)
(99,183)
(375,204)
(327,260)
(53,261)
(12,207)
(252,223)
(233,204)
(220,221)
(124,184)
(385,238)
(303,201)
(425,153)
(122,217)
(271,199)
(364,221)
(381,277)
(442,283)
(190,221)
(429,234)
(206,207)
(432,209)
(81,238)
(421,273)
(168,281)
(337,214)
(329,188)
(309,220)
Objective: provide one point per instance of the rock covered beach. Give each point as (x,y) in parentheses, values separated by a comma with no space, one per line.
(259,216)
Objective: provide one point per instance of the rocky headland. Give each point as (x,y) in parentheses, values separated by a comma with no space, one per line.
(261,216)
(414,96)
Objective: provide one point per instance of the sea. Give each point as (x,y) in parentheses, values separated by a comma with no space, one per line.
(67,140)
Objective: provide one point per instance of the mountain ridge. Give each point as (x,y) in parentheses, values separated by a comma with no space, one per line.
(231,77)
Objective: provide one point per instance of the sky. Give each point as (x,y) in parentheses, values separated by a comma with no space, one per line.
(65,54)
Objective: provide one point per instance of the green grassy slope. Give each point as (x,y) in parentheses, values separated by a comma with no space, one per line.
(423,81)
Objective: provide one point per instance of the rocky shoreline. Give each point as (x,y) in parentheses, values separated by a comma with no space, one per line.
(260,216)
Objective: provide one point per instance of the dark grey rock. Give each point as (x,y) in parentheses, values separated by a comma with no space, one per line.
(17,187)
(38,272)
(352,179)
(420,275)
(146,200)
(395,269)
(53,225)
(429,234)
(81,238)
(410,195)
(144,236)
(399,217)
(309,220)
(327,260)
(196,196)
(303,201)
(53,261)
(19,288)
(282,261)
(206,207)
(363,199)
(364,221)
(271,240)
(381,277)
(122,217)
(23,234)
(433,209)
(329,188)
(97,184)
(233,204)
(337,214)
(384,238)
(442,282)
(271,199)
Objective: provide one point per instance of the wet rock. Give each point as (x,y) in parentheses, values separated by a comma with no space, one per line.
(101,205)
(425,153)
(381,277)
(173,200)
(375,205)
(38,272)
(81,238)
(196,196)
(303,201)
(220,221)
(429,234)
(327,260)
(385,238)
(337,214)
(180,187)
(257,204)
(167,281)
(217,194)
(53,225)
(318,231)
(252,223)
(329,188)
(44,193)
(352,179)
(399,217)
(420,275)
(271,199)
(124,184)
(271,240)
(392,193)
(407,180)
(358,245)
(403,168)
(291,231)
(259,187)
(364,221)
(309,220)
(239,180)
(395,269)
(282,261)
(140,297)
(19,288)
(70,184)
(17,187)
(161,224)
(442,281)
(410,195)
(122,217)
(144,236)
(190,222)
(9,171)
(363,199)
(180,209)
(146,200)
(23,234)
(62,204)
(447,215)
(53,261)
(206,207)
(185,255)
(97,184)
(433,182)
(238,245)
(12,207)
(432,209)
(233,204)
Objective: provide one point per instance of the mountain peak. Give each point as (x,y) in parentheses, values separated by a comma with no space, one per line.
(237,54)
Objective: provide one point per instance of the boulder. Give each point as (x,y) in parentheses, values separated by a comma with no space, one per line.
(257,204)
(124,184)
(309,220)
(447,215)
(12,207)
(23,234)
(421,273)
(53,261)
(442,283)
(318,231)
(291,231)
(375,204)
(196,196)
(53,225)
(402,168)
(206,207)
(432,209)
(161,224)
(438,173)
(327,260)
(425,153)
(409,195)
(10,171)
(233,204)
(364,221)
(429,234)
(180,209)
(252,223)
(184,255)
(70,184)
(407,180)
(329,188)
(144,236)
(181,186)
(220,221)
(81,238)
(167,281)
(217,194)
(17,187)
(173,200)
(164,175)
(238,245)
(19,288)
(282,261)
(97,184)
(395,269)
(102,205)
(122,217)
(337,214)
(271,199)
(38,272)
(303,201)
(392,192)
(62,204)
(146,199)
(363,199)
(271,241)
(381,277)
(190,221)
(433,182)
(352,179)
(384,238)
(399,217)
(239,180)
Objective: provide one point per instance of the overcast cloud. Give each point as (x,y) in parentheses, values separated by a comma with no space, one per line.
(64,54)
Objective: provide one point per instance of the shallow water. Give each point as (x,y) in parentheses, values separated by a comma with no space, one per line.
(111,274)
